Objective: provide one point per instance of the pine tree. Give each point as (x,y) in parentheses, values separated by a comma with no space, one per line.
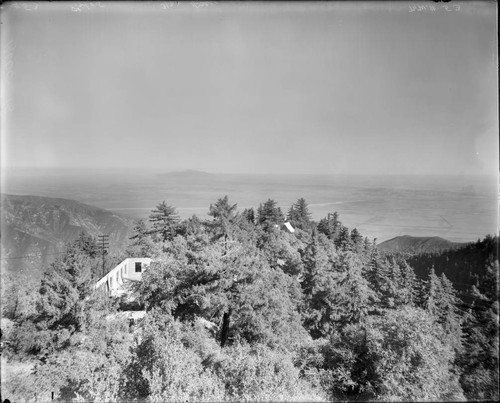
(357,240)
(299,215)
(224,217)
(140,229)
(335,293)
(142,245)
(397,282)
(450,317)
(479,358)
(324,227)
(408,286)
(249,215)
(315,262)
(238,289)
(433,290)
(366,245)
(318,283)
(18,295)
(165,221)
(398,356)
(354,297)
(193,226)
(372,271)
(280,250)
(343,241)
(63,291)
(88,245)
(330,226)
(269,215)
(441,302)
(392,286)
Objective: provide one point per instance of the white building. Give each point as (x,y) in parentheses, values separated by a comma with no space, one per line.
(130,269)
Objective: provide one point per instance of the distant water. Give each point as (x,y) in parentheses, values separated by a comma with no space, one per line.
(459,208)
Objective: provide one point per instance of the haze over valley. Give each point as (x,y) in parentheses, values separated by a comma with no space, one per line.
(458,208)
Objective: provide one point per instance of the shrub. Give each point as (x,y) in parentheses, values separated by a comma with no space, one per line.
(163,369)
(82,374)
(398,356)
(260,373)
(89,367)
(19,384)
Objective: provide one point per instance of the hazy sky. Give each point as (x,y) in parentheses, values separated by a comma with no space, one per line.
(266,88)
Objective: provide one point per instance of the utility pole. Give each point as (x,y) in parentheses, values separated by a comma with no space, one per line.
(104,244)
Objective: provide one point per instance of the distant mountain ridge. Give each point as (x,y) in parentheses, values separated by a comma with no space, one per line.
(415,245)
(186,173)
(35,229)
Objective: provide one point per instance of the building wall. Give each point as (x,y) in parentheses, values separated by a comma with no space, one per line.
(113,281)
(130,272)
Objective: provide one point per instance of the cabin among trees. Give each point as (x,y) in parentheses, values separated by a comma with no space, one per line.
(129,270)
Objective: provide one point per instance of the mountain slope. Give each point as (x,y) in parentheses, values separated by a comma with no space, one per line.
(35,229)
(464,266)
(412,244)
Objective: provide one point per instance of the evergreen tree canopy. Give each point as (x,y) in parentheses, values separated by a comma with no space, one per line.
(87,245)
(357,240)
(231,287)
(249,215)
(398,356)
(142,245)
(269,214)
(441,303)
(64,288)
(224,217)
(330,226)
(343,240)
(165,221)
(281,250)
(299,215)
(479,358)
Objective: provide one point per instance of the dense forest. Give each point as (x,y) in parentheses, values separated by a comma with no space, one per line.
(240,308)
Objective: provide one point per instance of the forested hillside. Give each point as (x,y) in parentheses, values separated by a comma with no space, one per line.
(465,266)
(238,307)
(416,245)
(35,229)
